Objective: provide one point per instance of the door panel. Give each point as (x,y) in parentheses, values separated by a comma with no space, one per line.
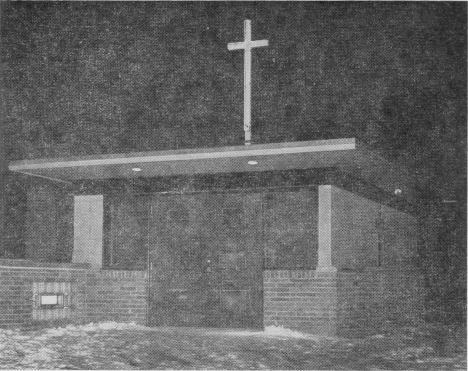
(206,260)
(127,247)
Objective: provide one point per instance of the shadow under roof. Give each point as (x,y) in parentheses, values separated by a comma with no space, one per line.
(345,154)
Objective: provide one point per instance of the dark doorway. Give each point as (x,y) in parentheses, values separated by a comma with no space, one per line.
(206,260)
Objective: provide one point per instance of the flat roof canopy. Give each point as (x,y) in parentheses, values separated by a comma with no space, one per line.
(346,154)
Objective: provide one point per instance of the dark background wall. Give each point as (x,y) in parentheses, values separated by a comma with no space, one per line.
(88,78)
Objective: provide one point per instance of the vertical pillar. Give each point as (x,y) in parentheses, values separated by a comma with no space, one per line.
(325,229)
(88,230)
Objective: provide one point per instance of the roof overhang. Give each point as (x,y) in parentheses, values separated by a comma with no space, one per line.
(346,154)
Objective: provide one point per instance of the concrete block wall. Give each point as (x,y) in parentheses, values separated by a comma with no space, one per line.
(373,248)
(376,299)
(364,233)
(48,225)
(305,300)
(97,295)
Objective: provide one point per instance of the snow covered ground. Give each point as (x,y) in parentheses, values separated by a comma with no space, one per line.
(111,345)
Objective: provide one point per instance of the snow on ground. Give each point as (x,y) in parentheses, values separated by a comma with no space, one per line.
(110,325)
(35,348)
(111,345)
(281,331)
(272,331)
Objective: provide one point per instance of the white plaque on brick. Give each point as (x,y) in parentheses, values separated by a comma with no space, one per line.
(51,300)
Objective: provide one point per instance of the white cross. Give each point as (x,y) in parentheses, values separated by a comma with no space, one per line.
(247,45)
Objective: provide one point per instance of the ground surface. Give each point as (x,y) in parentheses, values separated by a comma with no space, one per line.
(118,346)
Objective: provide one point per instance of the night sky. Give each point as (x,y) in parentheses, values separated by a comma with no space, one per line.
(90,78)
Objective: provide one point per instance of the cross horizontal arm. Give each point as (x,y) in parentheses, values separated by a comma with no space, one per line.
(236,46)
(258,43)
(247,44)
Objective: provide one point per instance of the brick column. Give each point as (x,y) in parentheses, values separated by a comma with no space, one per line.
(325,229)
(88,230)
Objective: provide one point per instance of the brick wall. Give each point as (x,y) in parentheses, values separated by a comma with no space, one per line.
(366,280)
(16,290)
(116,296)
(97,295)
(305,300)
(376,299)
(343,303)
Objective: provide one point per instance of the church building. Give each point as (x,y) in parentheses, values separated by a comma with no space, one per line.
(318,236)
(311,235)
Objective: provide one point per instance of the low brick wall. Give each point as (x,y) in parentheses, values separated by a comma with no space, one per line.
(345,303)
(348,303)
(305,300)
(96,295)
(374,300)
(16,291)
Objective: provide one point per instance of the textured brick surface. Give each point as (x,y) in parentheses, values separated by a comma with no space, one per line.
(116,296)
(97,295)
(304,300)
(16,293)
(343,303)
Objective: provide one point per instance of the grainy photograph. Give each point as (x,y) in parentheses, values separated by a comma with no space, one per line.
(233,185)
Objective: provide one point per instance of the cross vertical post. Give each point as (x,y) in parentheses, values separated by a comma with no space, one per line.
(247,45)
(247,82)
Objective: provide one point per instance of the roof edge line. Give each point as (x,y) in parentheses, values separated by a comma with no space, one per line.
(42,176)
(185,156)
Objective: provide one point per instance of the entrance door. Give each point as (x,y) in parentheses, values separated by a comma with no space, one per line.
(206,260)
